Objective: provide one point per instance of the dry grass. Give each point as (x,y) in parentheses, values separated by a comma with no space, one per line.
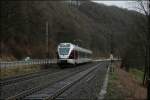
(114,87)
(18,70)
(131,86)
(137,74)
(124,86)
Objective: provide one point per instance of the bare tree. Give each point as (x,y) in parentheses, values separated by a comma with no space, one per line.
(144,7)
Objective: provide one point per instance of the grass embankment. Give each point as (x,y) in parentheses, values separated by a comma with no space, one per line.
(114,91)
(19,70)
(124,85)
(137,74)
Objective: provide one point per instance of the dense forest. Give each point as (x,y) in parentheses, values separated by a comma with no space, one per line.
(23,30)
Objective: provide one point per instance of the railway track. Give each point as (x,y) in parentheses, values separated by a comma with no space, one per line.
(53,89)
(31,90)
(16,79)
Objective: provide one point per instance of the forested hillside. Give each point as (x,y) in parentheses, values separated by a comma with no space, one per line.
(23,29)
(128,29)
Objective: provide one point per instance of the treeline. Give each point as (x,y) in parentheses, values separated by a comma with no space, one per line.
(23,29)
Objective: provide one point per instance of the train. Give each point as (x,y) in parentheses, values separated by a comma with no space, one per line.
(70,54)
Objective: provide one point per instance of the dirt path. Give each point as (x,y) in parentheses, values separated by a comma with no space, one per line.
(131,88)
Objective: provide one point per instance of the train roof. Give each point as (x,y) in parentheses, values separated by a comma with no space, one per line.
(75,47)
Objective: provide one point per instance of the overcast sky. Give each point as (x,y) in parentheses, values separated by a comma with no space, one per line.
(130,5)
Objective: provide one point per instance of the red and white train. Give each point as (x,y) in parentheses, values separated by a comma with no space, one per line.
(69,53)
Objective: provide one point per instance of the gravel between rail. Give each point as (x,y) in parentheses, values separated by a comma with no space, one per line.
(21,86)
(56,89)
(64,89)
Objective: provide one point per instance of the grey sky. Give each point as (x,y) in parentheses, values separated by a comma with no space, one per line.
(130,5)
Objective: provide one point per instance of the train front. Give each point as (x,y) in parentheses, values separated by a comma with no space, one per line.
(64,50)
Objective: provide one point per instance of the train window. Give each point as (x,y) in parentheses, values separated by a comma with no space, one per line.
(64,45)
(64,51)
(83,54)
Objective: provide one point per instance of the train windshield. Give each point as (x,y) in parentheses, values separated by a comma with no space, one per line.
(64,51)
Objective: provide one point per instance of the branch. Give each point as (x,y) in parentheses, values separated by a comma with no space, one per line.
(143,7)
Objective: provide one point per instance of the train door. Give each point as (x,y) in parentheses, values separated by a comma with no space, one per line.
(75,56)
